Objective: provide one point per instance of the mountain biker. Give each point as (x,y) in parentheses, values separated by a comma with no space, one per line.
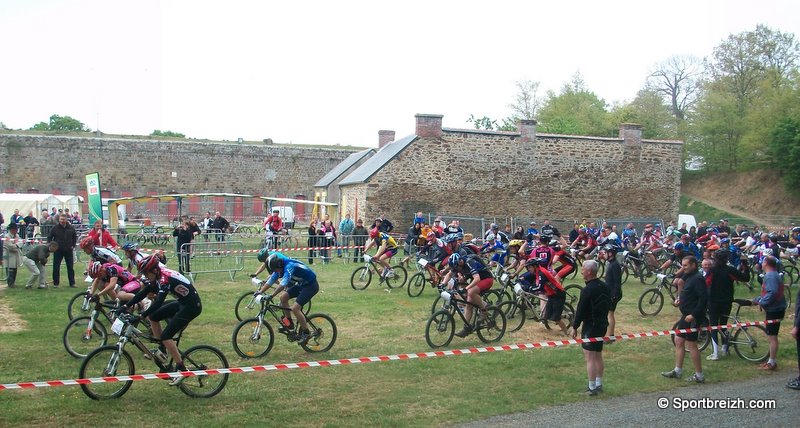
(273,224)
(179,313)
(387,247)
(480,279)
(111,276)
(98,253)
(538,279)
(719,281)
(300,282)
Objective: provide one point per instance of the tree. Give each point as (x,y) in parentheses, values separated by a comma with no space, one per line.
(786,140)
(677,80)
(527,100)
(649,110)
(575,110)
(159,133)
(61,124)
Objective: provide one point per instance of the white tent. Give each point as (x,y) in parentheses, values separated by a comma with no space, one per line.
(36,202)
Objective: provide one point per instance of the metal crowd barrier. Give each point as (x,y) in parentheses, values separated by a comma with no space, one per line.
(212,256)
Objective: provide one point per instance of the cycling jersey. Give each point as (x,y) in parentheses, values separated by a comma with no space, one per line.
(295,273)
(690,249)
(273,223)
(473,266)
(104,255)
(387,239)
(545,253)
(436,250)
(541,280)
(125,280)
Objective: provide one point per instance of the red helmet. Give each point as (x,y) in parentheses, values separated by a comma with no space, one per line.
(373,233)
(148,264)
(95,269)
(87,244)
(430,236)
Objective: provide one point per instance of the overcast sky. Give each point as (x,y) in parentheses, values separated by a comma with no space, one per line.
(335,72)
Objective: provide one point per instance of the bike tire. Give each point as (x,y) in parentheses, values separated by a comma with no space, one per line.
(251,344)
(601,268)
(399,278)
(323,333)
(76,305)
(77,339)
(651,302)
(753,345)
(573,293)
(246,307)
(204,357)
(361,278)
(492,297)
(440,329)
(493,328)
(416,284)
(515,315)
(625,274)
(104,362)
(703,338)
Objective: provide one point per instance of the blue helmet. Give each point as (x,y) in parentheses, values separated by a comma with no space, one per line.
(454,259)
(130,246)
(263,254)
(452,237)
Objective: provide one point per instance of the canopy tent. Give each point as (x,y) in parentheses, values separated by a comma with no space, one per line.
(113,204)
(36,202)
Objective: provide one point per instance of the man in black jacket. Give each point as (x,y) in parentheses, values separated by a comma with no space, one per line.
(693,304)
(720,296)
(66,237)
(614,282)
(592,312)
(221,226)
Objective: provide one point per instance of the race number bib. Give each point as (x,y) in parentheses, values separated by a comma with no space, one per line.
(181,290)
(422,262)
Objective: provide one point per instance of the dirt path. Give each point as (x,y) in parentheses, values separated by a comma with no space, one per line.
(10,322)
(731,210)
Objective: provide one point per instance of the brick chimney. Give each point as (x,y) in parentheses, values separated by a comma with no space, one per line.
(385,137)
(630,133)
(527,129)
(429,125)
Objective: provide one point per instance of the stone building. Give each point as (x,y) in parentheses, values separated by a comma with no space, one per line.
(517,174)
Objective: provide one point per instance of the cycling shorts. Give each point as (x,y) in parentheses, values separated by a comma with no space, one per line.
(179,315)
(593,332)
(389,253)
(682,324)
(131,287)
(485,284)
(303,293)
(772,329)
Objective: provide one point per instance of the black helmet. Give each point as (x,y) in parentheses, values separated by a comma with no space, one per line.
(721,256)
(263,254)
(611,248)
(533,261)
(274,262)
(773,237)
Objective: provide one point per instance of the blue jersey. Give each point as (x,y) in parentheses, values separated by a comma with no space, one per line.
(294,273)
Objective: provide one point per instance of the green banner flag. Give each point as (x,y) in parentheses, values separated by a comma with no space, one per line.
(95,202)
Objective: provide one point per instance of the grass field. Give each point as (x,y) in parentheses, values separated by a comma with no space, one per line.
(425,392)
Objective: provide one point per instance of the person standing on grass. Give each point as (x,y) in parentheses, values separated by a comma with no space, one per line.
(359,239)
(11,243)
(720,279)
(35,260)
(614,282)
(65,235)
(346,227)
(795,383)
(592,313)
(773,302)
(693,303)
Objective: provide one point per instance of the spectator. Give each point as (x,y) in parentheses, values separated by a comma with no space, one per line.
(53,212)
(312,240)
(519,234)
(11,245)
(693,304)
(532,230)
(410,247)
(386,226)
(453,227)
(592,313)
(359,239)
(773,302)
(614,283)
(194,227)
(101,237)
(438,227)
(35,260)
(30,224)
(66,237)
(328,241)
(2,222)
(183,235)
(18,220)
(221,225)
(76,218)
(346,227)
(206,224)
(419,218)
(795,383)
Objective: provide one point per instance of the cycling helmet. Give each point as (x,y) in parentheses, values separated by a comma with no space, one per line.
(373,233)
(430,236)
(796,230)
(544,239)
(87,244)
(94,269)
(494,226)
(453,260)
(685,236)
(773,237)
(611,248)
(724,240)
(148,264)
(130,246)
(263,254)
(450,237)
(533,261)
(274,262)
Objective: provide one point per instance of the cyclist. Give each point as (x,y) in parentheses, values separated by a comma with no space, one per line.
(496,241)
(693,303)
(538,279)
(98,253)
(568,264)
(179,313)
(648,245)
(273,224)
(113,276)
(773,302)
(719,281)
(585,243)
(134,256)
(480,279)
(299,281)
(387,247)
(436,249)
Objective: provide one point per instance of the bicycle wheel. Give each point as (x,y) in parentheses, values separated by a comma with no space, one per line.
(651,302)
(79,305)
(601,268)
(787,293)
(648,277)
(204,357)
(625,274)
(416,284)
(751,343)
(568,314)
(361,278)
(493,327)
(440,329)
(399,278)
(323,333)
(79,340)
(515,315)
(252,339)
(104,362)
(573,293)
(703,338)
(492,297)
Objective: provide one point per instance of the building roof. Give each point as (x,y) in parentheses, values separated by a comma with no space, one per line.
(377,161)
(342,167)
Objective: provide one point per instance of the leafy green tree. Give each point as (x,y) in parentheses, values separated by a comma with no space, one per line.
(575,110)
(786,141)
(159,133)
(61,124)
(649,110)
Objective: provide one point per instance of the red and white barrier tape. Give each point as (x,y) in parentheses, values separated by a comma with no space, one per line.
(364,360)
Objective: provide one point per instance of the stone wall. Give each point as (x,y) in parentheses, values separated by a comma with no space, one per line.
(136,167)
(479,173)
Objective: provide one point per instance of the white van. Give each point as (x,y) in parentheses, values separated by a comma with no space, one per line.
(287,215)
(688,219)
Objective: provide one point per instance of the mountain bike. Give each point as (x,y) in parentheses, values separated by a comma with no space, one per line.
(85,333)
(428,274)
(362,277)
(528,305)
(652,300)
(247,306)
(115,360)
(491,296)
(749,342)
(489,324)
(254,337)
(80,304)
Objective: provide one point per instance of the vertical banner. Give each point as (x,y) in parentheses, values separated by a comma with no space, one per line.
(93,193)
